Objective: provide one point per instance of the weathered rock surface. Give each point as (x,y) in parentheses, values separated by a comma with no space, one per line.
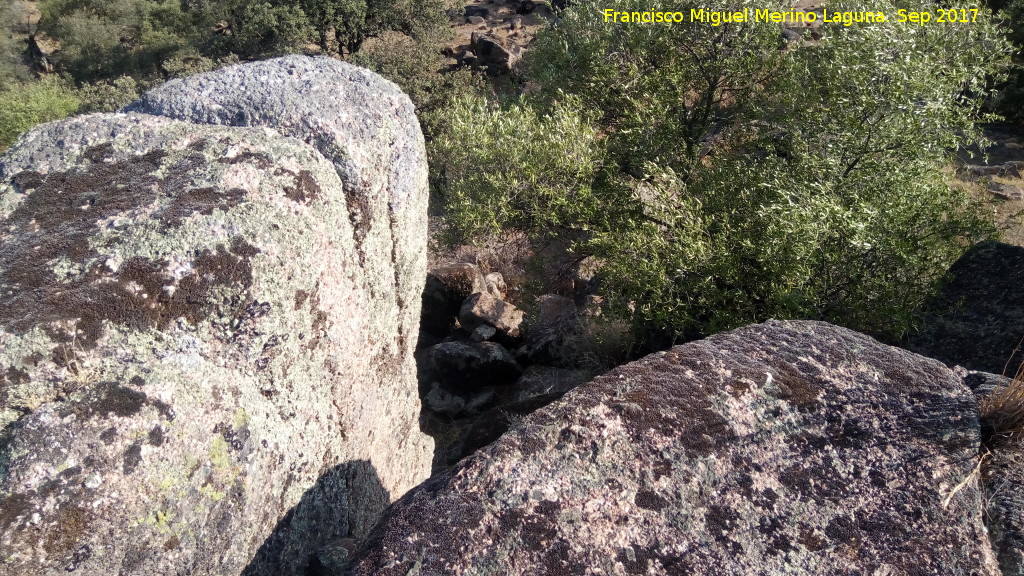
(780,448)
(483,308)
(360,122)
(1002,475)
(977,321)
(496,285)
(493,53)
(206,331)
(543,380)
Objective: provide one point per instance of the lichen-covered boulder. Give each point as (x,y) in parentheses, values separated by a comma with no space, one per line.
(366,127)
(781,448)
(977,319)
(206,359)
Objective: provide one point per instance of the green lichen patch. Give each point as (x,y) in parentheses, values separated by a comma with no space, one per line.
(49,235)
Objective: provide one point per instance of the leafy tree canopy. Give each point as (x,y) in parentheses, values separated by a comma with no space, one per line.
(726,176)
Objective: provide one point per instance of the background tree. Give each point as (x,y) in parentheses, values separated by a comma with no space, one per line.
(736,177)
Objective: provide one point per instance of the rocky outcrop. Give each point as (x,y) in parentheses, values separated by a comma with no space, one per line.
(206,331)
(485,309)
(446,288)
(469,366)
(977,321)
(785,447)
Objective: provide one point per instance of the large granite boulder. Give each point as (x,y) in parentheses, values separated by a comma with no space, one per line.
(977,320)
(781,448)
(206,332)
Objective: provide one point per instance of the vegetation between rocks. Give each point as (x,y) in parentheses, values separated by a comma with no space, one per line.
(725,179)
(720,175)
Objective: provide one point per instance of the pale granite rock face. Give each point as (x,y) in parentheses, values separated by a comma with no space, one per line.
(780,448)
(206,359)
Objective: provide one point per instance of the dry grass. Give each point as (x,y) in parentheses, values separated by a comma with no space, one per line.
(1002,413)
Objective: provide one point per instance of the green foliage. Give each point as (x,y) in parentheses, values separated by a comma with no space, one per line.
(10,48)
(725,177)
(25,105)
(1010,100)
(416,66)
(117,37)
(106,39)
(263,30)
(513,167)
(108,96)
(354,21)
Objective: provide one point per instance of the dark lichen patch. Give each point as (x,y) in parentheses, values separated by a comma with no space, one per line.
(26,181)
(70,526)
(685,411)
(99,153)
(60,214)
(843,530)
(172,543)
(300,298)
(650,500)
(133,558)
(791,385)
(70,474)
(261,160)
(271,350)
(773,529)
(634,559)
(106,398)
(156,436)
(199,201)
(359,215)
(810,539)
(109,435)
(83,553)
(721,521)
(132,458)
(10,378)
(12,508)
(306,188)
(234,438)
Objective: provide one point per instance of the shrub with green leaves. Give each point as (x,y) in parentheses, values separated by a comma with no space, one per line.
(22,106)
(515,167)
(726,176)
(1009,102)
(108,95)
(112,38)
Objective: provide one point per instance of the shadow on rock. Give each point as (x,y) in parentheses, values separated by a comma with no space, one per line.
(977,320)
(315,537)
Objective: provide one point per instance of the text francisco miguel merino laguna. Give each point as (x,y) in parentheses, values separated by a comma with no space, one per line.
(759,15)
